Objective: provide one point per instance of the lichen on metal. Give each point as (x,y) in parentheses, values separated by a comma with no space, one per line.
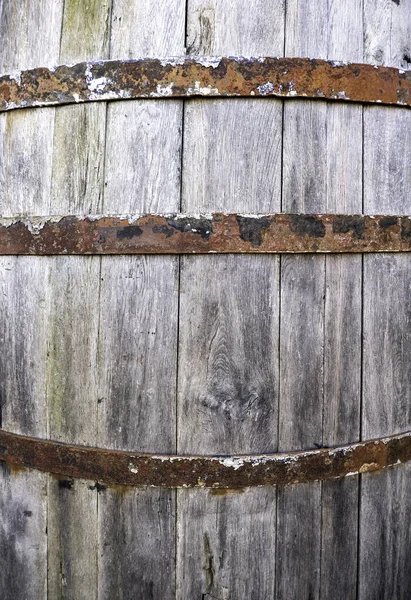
(207,76)
(201,234)
(115,467)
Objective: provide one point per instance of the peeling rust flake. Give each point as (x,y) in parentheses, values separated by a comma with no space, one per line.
(205,76)
(115,467)
(202,234)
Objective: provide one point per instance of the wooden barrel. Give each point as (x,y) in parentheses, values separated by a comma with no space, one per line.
(237,356)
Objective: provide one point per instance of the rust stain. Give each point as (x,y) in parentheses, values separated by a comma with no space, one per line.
(207,76)
(202,234)
(119,468)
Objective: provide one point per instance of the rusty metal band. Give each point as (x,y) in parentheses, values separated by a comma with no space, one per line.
(202,234)
(115,467)
(207,76)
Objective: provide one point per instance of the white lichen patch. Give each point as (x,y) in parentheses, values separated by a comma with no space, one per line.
(231,462)
(99,84)
(254,215)
(208,61)
(109,95)
(132,468)
(265,88)
(33,224)
(88,74)
(260,460)
(199,90)
(241,59)
(16,76)
(164,90)
(338,63)
(342,95)
(173,61)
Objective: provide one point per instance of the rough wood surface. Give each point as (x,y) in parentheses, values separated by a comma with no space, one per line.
(322,170)
(73,319)
(90,346)
(25,182)
(138,315)
(385,499)
(228,344)
(342,317)
(302,320)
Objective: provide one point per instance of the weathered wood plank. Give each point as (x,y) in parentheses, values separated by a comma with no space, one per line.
(228,344)
(302,320)
(342,318)
(73,320)
(25,181)
(322,170)
(138,315)
(23,536)
(385,534)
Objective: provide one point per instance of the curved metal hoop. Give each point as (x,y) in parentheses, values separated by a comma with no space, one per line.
(115,467)
(205,76)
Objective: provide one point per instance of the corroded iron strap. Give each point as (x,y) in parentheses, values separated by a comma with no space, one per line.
(114,467)
(202,234)
(212,76)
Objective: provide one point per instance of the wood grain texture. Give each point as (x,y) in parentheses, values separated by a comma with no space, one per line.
(342,318)
(230,392)
(138,315)
(319,375)
(73,316)
(385,500)
(302,320)
(224,529)
(30,34)
(23,558)
(228,343)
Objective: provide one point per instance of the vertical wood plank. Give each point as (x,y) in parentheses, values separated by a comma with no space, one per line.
(73,319)
(302,319)
(385,500)
(342,319)
(322,153)
(228,343)
(30,36)
(138,315)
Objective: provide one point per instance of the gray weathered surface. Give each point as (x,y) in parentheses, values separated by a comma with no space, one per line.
(90,346)
(25,181)
(73,321)
(320,308)
(228,344)
(342,318)
(138,315)
(385,499)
